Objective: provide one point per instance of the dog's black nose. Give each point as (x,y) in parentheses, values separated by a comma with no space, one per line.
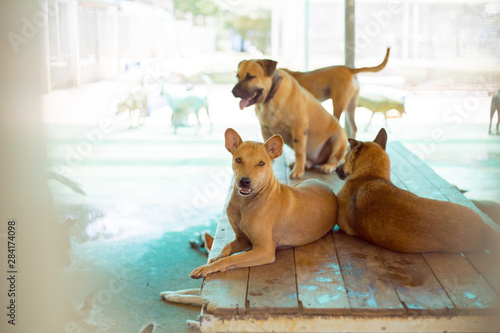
(340,171)
(245,182)
(235,91)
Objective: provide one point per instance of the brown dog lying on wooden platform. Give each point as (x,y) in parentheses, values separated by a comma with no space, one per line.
(285,108)
(338,83)
(371,207)
(265,214)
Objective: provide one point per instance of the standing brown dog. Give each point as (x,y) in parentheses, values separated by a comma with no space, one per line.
(265,214)
(285,108)
(371,207)
(338,83)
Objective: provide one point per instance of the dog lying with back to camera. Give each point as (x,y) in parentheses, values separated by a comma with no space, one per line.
(284,107)
(266,214)
(371,207)
(338,83)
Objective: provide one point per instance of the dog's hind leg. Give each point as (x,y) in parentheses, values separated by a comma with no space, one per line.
(369,121)
(174,297)
(340,104)
(197,114)
(351,109)
(492,113)
(193,324)
(209,119)
(498,119)
(338,148)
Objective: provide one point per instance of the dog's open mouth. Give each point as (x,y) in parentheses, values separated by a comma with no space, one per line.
(245,191)
(244,102)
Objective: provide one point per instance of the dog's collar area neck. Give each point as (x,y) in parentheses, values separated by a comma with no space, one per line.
(274,88)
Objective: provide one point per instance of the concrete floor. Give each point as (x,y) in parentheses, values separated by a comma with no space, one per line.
(148,191)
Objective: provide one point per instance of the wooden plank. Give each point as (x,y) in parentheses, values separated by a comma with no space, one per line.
(368,285)
(331,180)
(415,283)
(224,233)
(448,190)
(411,178)
(468,290)
(272,288)
(353,323)
(486,263)
(225,292)
(464,285)
(320,286)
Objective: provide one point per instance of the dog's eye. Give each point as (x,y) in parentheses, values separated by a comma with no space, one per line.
(261,163)
(238,160)
(249,77)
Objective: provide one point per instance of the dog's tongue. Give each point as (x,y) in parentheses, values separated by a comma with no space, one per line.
(244,103)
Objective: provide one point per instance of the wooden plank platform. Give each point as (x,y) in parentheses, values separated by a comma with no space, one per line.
(344,284)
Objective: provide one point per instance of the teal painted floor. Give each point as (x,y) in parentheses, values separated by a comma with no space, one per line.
(148,191)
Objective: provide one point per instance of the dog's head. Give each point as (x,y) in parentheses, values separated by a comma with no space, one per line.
(252,161)
(366,158)
(255,79)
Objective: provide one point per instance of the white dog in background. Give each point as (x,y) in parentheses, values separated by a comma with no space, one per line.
(136,100)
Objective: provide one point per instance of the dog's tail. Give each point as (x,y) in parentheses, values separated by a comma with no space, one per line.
(373,69)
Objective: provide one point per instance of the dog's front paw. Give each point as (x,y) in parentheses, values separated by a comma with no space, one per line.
(327,168)
(202,271)
(215,259)
(297,174)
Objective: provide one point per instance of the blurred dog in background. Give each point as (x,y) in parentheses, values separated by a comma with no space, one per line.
(382,104)
(184,102)
(136,100)
(495,107)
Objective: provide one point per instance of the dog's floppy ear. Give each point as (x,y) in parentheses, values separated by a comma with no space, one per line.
(233,140)
(274,145)
(241,63)
(269,66)
(381,138)
(355,144)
